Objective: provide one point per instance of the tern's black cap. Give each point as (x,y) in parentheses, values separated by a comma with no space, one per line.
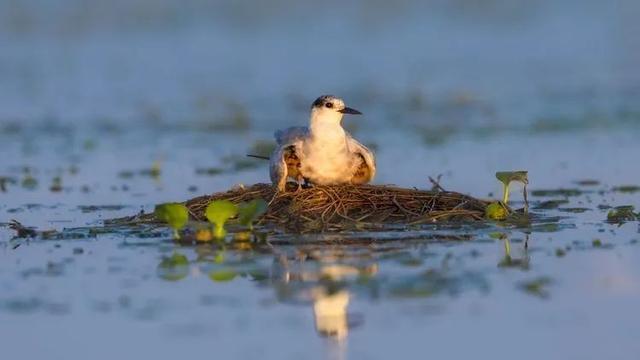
(322,100)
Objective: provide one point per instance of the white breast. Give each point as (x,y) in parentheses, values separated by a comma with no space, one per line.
(327,159)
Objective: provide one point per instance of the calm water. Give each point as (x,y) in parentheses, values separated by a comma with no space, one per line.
(94,98)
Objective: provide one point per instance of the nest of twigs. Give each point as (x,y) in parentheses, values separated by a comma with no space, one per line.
(342,207)
(339,207)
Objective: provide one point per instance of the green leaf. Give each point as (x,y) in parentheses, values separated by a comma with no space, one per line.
(506,177)
(250,211)
(622,214)
(218,212)
(174,214)
(496,211)
(222,275)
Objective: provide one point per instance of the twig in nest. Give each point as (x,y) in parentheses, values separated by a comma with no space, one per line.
(436,183)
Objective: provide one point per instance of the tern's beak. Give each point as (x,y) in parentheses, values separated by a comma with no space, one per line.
(348,110)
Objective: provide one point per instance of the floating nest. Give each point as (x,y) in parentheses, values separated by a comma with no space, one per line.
(344,207)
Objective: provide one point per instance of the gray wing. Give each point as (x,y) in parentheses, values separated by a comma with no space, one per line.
(368,156)
(278,168)
(293,136)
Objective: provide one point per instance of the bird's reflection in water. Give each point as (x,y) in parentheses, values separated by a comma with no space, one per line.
(330,313)
(327,277)
(318,278)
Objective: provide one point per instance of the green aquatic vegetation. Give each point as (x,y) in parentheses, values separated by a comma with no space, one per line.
(218,212)
(155,171)
(222,275)
(557,192)
(506,177)
(93,208)
(546,227)
(587,182)
(576,210)
(496,211)
(174,214)
(434,136)
(174,268)
(250,211)
(56,184)
(596,243)
(89,144)
(125,174)
(28,181)
(537,287)
(210,171)
(551,204)
(240,162)
(560,252)
(622,214)
(628,189)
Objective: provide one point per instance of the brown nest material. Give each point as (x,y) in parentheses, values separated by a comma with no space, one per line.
(339,207)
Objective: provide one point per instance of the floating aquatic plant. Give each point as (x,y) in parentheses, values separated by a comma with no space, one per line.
(28,181)
(496,211)
(537,287)
(629,189)
(250,211)
(506,177)
(558,192)
(174,214)
(56,185)
(622,214)
(218,212)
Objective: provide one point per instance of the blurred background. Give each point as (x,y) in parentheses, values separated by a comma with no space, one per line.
(460,63)
(110,107)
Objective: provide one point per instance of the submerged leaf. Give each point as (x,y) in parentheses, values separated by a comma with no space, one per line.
(218,212)
(250,211)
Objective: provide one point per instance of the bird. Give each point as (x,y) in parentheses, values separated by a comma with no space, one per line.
(322,153)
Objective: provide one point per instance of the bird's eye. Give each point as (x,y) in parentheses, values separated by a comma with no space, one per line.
(329,105)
